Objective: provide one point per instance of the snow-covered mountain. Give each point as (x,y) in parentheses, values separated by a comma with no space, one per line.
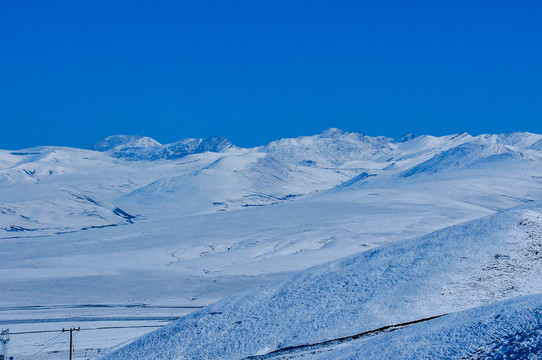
(461,267)
(198,220)
(134,147)
(119,142)
(332,147)
(196,176)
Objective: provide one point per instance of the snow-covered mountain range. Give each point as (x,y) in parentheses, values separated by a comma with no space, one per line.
(186,224)
(130,175)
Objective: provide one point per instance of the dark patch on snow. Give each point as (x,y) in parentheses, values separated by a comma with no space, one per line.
(86,198)
(309,163)
(98,226)
(286,197)
(25,153)
(355,180)
(265,200)
(14,228)
(65,232)
(124,214)
(91,200)
(405,138)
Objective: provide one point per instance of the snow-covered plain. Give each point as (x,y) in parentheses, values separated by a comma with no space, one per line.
(187,224)
(460,267)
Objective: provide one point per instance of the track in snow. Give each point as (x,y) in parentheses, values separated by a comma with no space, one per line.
(293,350)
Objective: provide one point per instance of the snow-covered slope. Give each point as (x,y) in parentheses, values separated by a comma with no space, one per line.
(195,221)
(509,329)
(195,176)
(469,155)
(457,268)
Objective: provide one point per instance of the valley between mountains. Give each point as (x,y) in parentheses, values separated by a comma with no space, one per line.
(292,243)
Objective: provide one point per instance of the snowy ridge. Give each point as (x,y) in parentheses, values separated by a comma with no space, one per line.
(134,147)
(461,267)
(118,142)
(467,155)
(330,148)
(197,176)
(195,229)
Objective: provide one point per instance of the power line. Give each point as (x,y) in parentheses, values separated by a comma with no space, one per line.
(35,332)
(55,340)
(123,327)
(58,339)
(98,328)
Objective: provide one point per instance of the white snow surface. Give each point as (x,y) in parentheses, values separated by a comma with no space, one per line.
(479,262)
(53,189)
(510,329)
(190,223)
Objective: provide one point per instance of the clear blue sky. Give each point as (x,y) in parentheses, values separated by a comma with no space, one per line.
(72,72)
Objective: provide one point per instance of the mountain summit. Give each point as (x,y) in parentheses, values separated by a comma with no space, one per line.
(123,141)
(135,147)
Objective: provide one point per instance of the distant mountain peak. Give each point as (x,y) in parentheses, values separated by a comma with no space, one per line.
(122,141)
(136,147)
(460,135)
(333,132)
(216,144)
(405,138)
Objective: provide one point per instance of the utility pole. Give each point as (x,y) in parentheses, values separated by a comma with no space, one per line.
(4,340)
(71,330)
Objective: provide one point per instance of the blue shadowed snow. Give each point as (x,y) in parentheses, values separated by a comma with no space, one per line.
(457,268)
(509,329)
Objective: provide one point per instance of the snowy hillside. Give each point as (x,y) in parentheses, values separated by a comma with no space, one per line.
(41,188)
(457,268)
(510,329)
(183,225)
